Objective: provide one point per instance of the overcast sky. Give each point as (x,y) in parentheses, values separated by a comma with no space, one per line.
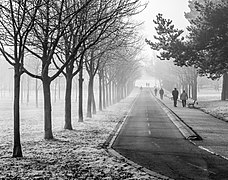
(171,9)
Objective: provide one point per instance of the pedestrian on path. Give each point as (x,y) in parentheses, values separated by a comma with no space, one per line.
(155,91)
(184,97)
(175,94)
(161,92)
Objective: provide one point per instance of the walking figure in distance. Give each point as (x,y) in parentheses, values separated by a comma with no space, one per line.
(184,97)
(161,92)
(155,91)
(175,94)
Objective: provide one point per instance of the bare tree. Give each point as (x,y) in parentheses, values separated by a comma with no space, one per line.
(51,25)
(75,45)
(17,20)
(86,32)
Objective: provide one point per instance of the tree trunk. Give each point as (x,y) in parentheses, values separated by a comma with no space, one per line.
(28,89)
(94,102)
(17,152)
(76,92)
(59,88)
(110,93)
(107,95)
(37,93)
(47,109)
(89,100)
(55,90)
(80,98)
(68,124)
(22,88)
(194,87)
(189,91)
(224,87)
(124,91)
(185,87)
(100,93)
(103,90)
(121,92)
(194,90)
(117,92)
(113,93)
(128,88)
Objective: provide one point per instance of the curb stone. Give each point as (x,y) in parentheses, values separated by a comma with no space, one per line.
(185,129)
(111,139)
(139,167)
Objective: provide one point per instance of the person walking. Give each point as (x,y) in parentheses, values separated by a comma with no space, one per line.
(161,92)
(175,94)
(184,97)
(155,91)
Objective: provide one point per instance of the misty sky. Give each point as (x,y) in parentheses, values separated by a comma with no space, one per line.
(171,9)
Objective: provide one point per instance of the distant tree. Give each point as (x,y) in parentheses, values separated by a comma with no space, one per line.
(100,57)
(164,72)
(126,68)
(16,23)
(172,46)
(94,24)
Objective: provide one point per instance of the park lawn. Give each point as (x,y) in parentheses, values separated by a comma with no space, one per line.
(217,108)
(209,101)
(76,154)
(73,154)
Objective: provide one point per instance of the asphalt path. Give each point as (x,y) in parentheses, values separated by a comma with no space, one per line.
(150,139)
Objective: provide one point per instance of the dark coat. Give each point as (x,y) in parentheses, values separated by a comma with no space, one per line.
(175,94)
(161,91)
(184,96)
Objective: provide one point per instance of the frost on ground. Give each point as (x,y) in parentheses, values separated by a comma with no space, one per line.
(75,154)
(217,108)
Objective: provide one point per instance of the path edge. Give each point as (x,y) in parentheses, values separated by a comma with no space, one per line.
(111,139)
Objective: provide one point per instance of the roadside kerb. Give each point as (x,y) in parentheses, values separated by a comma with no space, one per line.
(192,140)
(112,136)
(137,166)
(185,130)
(112,139)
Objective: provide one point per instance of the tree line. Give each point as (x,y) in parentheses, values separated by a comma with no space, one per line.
(204,49)
(48,38)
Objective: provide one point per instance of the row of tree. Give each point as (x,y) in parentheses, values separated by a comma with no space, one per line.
(46,38)
(204,48)
(170,76)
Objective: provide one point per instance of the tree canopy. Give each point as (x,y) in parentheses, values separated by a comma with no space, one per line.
(206,45)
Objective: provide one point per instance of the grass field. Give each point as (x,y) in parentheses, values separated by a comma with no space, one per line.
(73,154)
(208,95)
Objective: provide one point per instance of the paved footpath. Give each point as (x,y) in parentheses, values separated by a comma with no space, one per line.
(213,131)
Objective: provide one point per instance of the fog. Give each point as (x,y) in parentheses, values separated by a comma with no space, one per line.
(163,73)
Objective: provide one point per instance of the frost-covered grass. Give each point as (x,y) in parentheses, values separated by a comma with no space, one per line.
(209,101)
(208,95)
(216,108)
(75,154)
